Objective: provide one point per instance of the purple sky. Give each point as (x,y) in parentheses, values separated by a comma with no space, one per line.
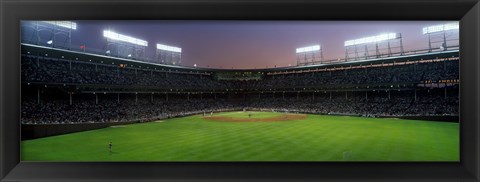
(249,44)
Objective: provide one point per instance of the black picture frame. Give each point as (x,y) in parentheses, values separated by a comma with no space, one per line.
(13,11)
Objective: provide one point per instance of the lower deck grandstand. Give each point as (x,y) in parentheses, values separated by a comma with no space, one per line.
(85,108)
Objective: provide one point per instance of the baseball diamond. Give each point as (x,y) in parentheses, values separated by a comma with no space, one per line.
(173,91)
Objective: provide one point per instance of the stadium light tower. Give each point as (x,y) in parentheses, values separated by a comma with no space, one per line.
(309,55)
(393,45)
(49,33)
(441,34)
(168,54)
(64,24)
(124,46)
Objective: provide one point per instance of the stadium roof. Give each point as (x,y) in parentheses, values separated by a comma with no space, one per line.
(97,58)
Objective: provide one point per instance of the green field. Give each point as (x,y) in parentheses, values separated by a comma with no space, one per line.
(317,138)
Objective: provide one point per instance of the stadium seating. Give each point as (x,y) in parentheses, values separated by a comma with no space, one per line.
(372,91)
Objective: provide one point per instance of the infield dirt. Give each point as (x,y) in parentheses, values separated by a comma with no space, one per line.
(285,117)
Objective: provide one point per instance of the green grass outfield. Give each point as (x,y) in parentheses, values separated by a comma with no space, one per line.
(317,138)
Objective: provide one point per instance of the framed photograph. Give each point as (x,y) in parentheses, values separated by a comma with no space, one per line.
(239,90)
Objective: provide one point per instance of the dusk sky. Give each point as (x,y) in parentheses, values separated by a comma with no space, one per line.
(249,44)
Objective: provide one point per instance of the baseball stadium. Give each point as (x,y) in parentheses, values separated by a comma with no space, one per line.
(379,102)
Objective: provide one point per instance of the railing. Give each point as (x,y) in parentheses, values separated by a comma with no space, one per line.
(380,56)
(91,50)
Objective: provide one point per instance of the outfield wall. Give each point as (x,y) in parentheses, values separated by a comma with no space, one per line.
(427,118)
(442,118)
(31,131)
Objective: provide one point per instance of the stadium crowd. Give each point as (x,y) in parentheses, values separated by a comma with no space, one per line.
(85,109)
(51,109)
(60,71)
